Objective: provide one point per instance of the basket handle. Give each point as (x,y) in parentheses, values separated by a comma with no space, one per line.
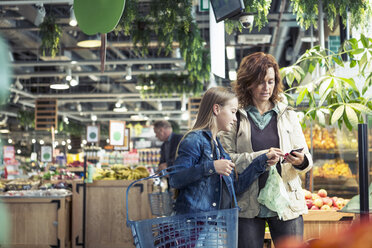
(167,171)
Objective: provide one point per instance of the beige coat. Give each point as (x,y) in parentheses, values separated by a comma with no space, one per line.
(239,147)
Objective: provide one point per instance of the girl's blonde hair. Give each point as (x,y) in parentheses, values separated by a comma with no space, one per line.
(205,118)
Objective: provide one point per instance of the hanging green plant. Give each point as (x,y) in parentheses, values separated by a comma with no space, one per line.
(332,98)
(72,128)
(168,84)
(26,118)
(168,22)
(50,34)
(307,11)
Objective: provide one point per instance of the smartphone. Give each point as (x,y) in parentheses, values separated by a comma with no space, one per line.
(296,150)
(291,152)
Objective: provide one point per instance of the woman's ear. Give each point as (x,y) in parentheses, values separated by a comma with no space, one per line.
(216,109)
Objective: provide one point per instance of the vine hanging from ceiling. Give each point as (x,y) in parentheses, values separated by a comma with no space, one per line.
(171,22)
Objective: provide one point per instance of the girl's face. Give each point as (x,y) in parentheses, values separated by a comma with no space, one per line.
(264,90)
(226,115)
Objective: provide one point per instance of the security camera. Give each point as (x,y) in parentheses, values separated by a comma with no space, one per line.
(246,21)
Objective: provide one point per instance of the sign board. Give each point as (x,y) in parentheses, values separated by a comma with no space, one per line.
(117,133)
(93,134)
(46,154)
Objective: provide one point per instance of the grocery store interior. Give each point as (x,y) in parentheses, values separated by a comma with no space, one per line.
(82,84)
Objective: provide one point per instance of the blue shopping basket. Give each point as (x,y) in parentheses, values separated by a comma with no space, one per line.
(205,229)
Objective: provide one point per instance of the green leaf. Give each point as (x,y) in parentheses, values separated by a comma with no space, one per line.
(353,63)
(360,107)
(362,62)
(337,114)
(351,115)
(350,82)
(321,117)
(301,96)
(324,97)
(324,85)
(338,60)
(364,40)
(357,51)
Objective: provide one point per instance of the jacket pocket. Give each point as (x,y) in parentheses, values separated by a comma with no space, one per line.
(296,195)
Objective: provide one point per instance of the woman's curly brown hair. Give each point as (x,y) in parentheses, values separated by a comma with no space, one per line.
(251,72)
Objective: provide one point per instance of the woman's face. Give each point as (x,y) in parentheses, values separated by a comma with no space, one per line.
(264,90)
(226,115)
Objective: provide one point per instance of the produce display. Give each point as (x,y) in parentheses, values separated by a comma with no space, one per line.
(321,201)
(333,169)
(38,193)
(119,172)
(331,138)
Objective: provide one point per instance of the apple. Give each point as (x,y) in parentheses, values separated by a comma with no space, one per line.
(325,207)
(314,196)
(327,201)
(318,202)
(308,194)
(314,208)
(322,193)
(340,203)
(309,203)
(334,199)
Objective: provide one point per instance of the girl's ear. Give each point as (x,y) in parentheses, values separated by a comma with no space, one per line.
(216,109)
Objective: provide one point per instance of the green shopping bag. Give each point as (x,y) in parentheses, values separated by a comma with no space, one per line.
(274,195)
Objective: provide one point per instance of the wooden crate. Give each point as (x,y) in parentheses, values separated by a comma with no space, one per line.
(318,223)
(193,107)
(105,212)
(46,115)
(39,222)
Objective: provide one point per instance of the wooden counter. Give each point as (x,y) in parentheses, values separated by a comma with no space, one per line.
(105,212)
(39,222)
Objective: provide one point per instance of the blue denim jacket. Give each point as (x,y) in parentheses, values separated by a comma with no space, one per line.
(200,187)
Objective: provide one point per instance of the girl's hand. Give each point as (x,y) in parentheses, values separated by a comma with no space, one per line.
(223,166)
(297,159)
(274,155)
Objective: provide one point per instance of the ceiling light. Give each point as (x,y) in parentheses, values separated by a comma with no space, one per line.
(18,84)
(93,117)
(4,130)
(122,109)
(69,147)
(73,21)
(10,141)
(232,75)
(166,117)
(118,104)
(33,141)
(18,151)
(230,52)
(59,86)
(88,41)
(78,107)
(74,81)
(63,143)
(41,142)
(128,76)
(185,116)
(68,141)
(40,14)
(68,76)
(16,98)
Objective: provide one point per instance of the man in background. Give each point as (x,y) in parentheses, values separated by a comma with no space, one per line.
(164,132)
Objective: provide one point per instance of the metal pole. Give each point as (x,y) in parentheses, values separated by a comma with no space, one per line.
(363,171)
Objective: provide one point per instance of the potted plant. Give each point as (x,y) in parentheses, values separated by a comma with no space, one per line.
(50,34)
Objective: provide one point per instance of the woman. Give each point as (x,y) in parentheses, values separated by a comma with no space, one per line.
(206,180)
(265,123)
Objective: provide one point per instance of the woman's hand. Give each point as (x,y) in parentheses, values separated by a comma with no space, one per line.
(297,159)
(274,155)
(223,166)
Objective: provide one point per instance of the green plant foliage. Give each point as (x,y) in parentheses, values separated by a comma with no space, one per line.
(168,22)
(50,34)
(168,84)
(338,98)
(26,118)
(72,128)
(307,11)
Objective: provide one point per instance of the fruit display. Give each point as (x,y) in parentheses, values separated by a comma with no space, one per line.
(321,201)
(119,172)
(332,169)
(323,138)
(2,186)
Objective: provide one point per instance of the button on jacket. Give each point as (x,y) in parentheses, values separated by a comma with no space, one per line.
(239,146)
(200,187)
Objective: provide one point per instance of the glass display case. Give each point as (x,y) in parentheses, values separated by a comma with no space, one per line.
(335,156)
